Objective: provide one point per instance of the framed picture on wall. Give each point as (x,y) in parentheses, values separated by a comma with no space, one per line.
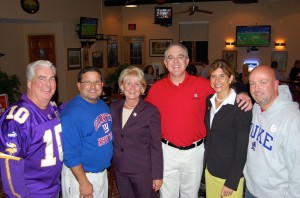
(231,57)
(74,58)
(97,59)
(112,50)
(85,57)
(157,47)
(281,58)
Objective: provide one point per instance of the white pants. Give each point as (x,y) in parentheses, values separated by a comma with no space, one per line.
(182,172)
(70,186)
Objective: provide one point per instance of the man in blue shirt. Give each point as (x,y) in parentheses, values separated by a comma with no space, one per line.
(86,123)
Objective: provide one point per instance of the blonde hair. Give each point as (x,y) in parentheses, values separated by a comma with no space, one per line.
(132,71)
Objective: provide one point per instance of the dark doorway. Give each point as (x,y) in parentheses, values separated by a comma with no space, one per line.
(198,50)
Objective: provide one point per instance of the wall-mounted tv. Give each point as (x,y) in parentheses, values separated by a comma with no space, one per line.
(163,16)
(253,36)
(88,28)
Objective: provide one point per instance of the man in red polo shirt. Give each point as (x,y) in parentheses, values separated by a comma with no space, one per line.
(180,99)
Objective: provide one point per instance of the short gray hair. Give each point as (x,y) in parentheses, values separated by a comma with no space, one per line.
(39,63)
(185,50)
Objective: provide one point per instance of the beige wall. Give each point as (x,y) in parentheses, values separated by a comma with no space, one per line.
(283,15)
(60,18)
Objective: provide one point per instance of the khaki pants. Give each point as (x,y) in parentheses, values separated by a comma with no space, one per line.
(182,172)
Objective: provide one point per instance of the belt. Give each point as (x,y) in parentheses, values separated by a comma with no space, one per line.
(94,172)
(195,144)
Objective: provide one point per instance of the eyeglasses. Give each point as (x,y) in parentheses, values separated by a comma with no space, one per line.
(89,83)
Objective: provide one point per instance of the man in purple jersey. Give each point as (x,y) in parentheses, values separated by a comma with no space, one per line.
(30,138)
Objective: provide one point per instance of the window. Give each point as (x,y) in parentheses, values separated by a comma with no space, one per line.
(134,50)
(194,35)
(198,50)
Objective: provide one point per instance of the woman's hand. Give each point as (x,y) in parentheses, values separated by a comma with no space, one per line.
(226,192)
(157,184)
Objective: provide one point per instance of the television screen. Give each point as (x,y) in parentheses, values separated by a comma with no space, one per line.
(253,36)
(163,15)
(88,27)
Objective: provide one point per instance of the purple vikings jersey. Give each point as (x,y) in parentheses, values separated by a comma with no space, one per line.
(31,150)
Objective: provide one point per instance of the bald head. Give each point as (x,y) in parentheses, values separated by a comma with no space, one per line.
(267,70)
(263,85)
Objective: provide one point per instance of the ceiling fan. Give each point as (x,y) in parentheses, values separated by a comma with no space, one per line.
(192,9)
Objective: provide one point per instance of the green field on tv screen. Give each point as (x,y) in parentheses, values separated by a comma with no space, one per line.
(253,39)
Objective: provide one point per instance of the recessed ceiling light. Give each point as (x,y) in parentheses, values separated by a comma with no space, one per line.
(131,6)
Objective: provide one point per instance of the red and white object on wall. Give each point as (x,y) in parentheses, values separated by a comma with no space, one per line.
(3,103)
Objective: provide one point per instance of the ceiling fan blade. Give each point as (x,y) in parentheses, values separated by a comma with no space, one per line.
(192,9)
(181,12)
(205,11)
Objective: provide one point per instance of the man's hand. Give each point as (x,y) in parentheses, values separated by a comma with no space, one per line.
(244,101)
(86,189)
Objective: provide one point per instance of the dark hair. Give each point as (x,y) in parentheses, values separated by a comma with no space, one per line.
(222,64)
(274,64)
(146,69)
(89,69)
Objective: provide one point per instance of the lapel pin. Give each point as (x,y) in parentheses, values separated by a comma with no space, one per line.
(134,114)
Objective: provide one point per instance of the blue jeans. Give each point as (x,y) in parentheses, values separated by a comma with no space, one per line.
(248,194)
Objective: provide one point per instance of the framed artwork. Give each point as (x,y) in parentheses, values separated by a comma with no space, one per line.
(157,47)
(97,58)
(74,58)
(281,58)
(231,57)
(85,57)
(112,50)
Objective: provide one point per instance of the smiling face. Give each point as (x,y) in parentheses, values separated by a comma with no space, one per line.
(91,86)
(150,70)
(263,86)
(176,61)
(220,82)
(132,88)
(42,86)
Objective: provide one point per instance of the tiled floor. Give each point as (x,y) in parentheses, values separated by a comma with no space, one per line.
(115,193)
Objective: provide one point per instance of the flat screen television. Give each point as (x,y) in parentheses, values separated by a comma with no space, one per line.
(163,15)
(88,28)
(253,36)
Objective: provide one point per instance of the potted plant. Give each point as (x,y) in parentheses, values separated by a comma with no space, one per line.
(10,85)
(112,78)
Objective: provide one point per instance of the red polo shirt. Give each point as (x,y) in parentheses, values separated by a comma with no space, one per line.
(182,108)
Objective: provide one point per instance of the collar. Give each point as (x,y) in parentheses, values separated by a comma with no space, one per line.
(229,100)
(185,80)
